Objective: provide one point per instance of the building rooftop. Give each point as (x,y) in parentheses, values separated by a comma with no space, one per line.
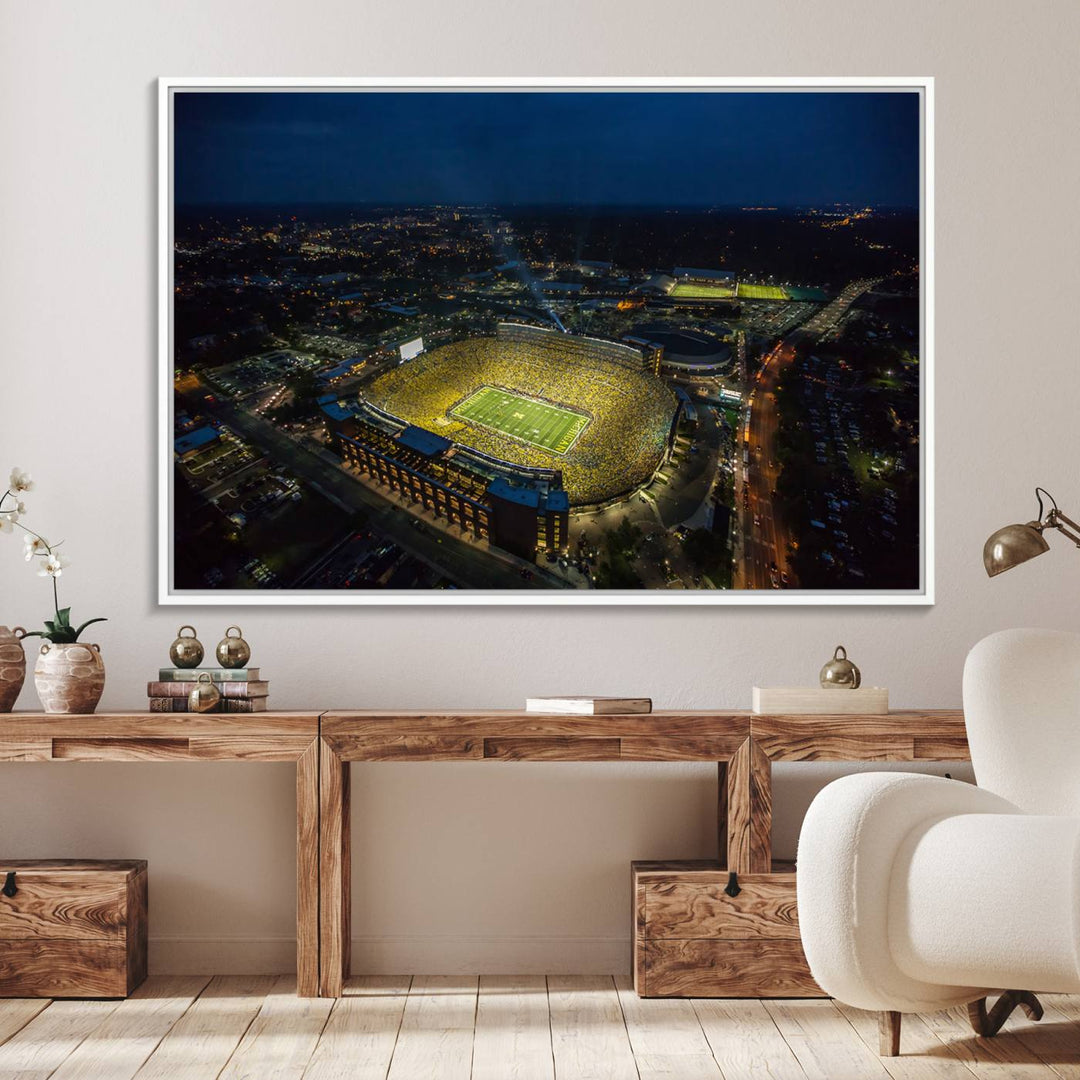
(503,489)
(338,370)
(558,500)
(335,409)
(423,442)
(196,439)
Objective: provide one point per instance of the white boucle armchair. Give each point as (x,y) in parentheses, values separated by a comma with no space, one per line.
(918,893)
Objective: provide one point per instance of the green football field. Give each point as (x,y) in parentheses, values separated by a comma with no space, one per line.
(534,422)
(686,291)
(761,292)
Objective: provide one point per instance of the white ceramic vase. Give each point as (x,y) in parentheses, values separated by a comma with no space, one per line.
(69,678)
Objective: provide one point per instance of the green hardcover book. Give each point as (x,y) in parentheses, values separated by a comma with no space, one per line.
(218,674)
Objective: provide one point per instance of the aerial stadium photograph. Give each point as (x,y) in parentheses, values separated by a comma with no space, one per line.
(570,342)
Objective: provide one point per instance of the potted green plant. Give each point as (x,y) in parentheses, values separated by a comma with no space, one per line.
(69,674)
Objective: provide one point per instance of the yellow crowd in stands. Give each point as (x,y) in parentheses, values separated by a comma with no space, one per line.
(631,410)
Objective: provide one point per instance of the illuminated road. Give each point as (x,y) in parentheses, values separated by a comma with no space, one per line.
(762,536)
(762,533)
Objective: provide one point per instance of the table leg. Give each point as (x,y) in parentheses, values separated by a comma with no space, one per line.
(334,872)
(307,871)
(722,813)
(749,810)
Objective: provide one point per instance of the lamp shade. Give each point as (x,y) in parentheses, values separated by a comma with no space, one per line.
(1012,545)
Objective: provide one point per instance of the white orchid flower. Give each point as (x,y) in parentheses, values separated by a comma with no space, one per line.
(20,481)
(7,522)
(54,565)
(34,545)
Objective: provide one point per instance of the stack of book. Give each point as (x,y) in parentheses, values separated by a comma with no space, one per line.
(241,689)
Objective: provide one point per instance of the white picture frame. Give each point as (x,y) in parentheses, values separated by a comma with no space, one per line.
(168,594)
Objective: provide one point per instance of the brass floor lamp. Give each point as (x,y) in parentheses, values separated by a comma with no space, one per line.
(1015,544)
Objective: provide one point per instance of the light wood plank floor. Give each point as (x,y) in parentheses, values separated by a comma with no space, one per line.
(524,1027)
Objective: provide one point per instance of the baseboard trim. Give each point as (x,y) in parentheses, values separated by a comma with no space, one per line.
(431,954)
(445,954)
(221,956)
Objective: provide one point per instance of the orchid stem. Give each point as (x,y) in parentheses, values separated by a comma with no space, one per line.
(48,548)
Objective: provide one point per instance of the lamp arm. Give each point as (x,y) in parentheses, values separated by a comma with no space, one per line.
(1055,519)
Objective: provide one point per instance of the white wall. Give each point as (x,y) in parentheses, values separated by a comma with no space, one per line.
(495,867)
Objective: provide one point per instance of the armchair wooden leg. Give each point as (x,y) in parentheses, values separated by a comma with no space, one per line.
(889,1033)
(988,1024)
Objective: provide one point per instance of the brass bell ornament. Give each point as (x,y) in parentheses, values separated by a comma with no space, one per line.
(186,651)
(233,652)
(204,695)
(840,673)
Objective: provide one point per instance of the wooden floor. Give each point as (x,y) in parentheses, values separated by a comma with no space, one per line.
(516,1028)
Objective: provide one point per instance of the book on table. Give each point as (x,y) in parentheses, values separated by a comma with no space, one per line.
(217,674)
(165,688)
(581,705)
(227,705)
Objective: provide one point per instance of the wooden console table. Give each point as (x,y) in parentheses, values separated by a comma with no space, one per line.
(742,744)
(322,745)
(904,735)
(260,737)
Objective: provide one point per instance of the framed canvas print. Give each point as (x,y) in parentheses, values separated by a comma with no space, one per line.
(546,341)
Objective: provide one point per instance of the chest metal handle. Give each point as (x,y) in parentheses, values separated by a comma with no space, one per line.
(9,884)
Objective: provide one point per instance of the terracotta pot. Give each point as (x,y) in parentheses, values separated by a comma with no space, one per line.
(69,678)
(12,666)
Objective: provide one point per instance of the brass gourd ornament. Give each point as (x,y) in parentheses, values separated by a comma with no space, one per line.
(840,673)
(186,651)
(204,695)
(233,652)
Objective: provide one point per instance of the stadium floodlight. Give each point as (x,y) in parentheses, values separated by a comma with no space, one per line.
(1014,544)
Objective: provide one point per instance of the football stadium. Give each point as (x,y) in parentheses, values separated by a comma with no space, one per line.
(538,423)
(540,399)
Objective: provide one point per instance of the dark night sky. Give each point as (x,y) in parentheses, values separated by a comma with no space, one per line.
(592,149)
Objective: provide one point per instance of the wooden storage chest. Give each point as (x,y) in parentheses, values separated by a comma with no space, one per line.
(71,928)
(693,939)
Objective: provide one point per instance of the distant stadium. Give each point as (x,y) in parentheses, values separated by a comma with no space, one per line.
(692,291)
(760,292)
(689,352)
(689,283)
(540,398)
(747,291)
